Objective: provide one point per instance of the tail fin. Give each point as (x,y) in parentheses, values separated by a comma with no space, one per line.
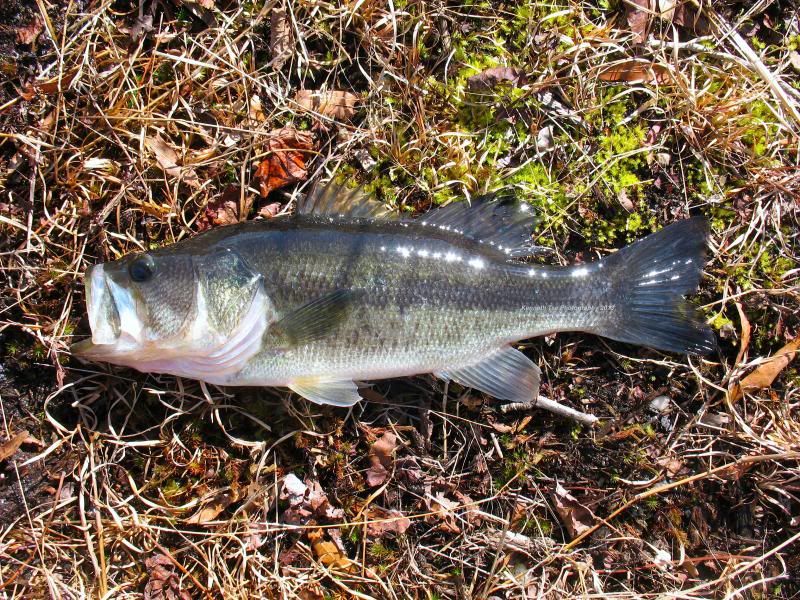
(653,274)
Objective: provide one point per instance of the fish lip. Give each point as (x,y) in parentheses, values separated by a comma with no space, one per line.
(103,314)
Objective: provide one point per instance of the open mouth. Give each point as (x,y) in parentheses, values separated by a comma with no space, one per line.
(104,320)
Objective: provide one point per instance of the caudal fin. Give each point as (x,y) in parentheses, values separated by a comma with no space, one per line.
(653,276)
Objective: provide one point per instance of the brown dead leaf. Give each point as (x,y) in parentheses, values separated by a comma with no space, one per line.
(639,14)
(766,373)
(225,209)
(444,513)
(167,159)
(575,516)
(494,76)
(9,447)
(636,71)
(281,37)
(286,162)
(381,455)
(207,4)
(328,553)
(163,582)
(336,104)
(27,34)
(213,508)
(744,344)
(270,211)
(382,521)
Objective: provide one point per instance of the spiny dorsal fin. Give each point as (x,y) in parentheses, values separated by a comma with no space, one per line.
(335,199)
(503,223)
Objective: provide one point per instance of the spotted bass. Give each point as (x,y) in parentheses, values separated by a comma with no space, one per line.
(339,293)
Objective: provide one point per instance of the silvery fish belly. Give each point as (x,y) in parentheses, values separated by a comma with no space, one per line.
(341,292)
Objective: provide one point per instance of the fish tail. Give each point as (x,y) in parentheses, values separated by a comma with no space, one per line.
(652,276)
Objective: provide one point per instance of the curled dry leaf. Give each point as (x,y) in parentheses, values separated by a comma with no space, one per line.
(444,510)
(27,34)
(225,209)
(212,509)
(492,77)
(382,521)
(575,516)
(381,458)
(636,71)
(335,104)
(328,553)
(286,162)
(639,14)
(766,373)
(167,159)
(9,447)
(163,582)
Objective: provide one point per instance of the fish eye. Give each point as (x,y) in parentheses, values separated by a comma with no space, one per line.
(141,269)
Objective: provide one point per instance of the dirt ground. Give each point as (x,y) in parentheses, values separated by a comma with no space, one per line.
(129,125)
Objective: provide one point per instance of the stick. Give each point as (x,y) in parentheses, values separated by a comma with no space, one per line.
(553,407)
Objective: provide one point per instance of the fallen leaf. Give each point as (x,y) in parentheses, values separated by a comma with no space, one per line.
(207,4)
(167,159)
(9,447)
(744,344)
(639,14)
(444,509)
(270,210)
(766,373)
(280,37)
(286,162)
(625,200)
(214,507)
(141,27)
(494,76)
(225,209)
(319,504)
(381,458)
(575,516)
(382,521)
(163,582)
(636,71)
(27,34)
(328,553)
(335,104)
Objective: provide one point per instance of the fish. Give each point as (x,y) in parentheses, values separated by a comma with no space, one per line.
(343,292)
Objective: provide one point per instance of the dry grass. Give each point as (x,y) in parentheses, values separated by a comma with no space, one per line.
(116,136)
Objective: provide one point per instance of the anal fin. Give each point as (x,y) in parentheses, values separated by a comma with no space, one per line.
(326,391)
(506,374)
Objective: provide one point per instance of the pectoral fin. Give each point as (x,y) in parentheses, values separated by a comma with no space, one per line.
(315,320)
(506,374)
(336,392)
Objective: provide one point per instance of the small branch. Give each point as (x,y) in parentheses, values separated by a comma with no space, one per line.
(553,407)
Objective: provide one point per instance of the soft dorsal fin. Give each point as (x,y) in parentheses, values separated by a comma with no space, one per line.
(340,200)
(504,223)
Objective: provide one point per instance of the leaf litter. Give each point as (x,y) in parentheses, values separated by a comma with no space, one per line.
(384,95)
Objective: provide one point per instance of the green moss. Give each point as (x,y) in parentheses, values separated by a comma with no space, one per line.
(719,321)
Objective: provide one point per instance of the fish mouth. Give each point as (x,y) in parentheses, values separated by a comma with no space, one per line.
(104,316)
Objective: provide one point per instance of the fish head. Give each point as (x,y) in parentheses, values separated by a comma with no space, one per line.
(140,306)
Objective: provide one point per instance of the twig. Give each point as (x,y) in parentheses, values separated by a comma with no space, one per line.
(552,406)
